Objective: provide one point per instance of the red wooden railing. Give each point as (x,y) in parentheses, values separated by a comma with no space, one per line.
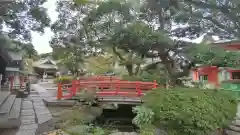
(107,88)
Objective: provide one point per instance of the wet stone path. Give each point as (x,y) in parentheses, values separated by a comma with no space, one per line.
(33,113)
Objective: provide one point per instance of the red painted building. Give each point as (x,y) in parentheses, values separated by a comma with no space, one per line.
(214,74)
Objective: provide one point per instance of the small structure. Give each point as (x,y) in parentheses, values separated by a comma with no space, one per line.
(215,75)
(47,66)
(5,59)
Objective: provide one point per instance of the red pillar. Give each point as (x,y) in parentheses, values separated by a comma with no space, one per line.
(74,88)
(21,81)
(11,78)
(59,93)
(139,92)
(117,87)
(154,84)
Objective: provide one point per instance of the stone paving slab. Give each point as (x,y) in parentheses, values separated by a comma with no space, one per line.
(42,118)
(28,117)
(38,104)
(37,101)
(27,132)
(43,93)
(27,105)
(29,112)
(28,121)
(28,127)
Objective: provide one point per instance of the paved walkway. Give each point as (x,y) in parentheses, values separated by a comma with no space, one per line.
(33,113)
(42,92)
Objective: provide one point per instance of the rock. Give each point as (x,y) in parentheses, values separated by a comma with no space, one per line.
(55,132)
(236,122)
(96,111)
(131,133)
(124,133)
(234,128)
(79,129)
(117,133)
(229,132)
(160,132)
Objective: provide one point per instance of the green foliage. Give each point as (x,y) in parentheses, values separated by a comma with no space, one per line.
(190,111)
(140,38)
(98,131)
(22,17)
(144,116)
(148,130)
(146,77)
(64,79)
(71,57)
(212,55)
(131,78)
(100,64)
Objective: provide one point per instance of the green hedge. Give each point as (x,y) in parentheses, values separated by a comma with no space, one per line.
(64,79)
(187,111)
(145,77)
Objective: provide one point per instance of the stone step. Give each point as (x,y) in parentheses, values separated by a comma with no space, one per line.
(26,132)
(234,128)
(230,132)
(7,104)
(11,119)
(16,109)
(3,96)
(9,131)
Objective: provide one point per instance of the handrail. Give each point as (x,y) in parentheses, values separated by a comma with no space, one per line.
(116,87)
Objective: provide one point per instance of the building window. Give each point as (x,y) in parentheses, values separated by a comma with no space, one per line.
(203,77)
(235,75)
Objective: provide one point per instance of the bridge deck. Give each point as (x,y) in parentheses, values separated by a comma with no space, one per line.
(120,99)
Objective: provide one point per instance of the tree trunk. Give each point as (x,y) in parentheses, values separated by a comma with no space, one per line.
(137,69)
(129,69)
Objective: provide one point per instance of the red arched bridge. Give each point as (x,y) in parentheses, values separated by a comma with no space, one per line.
(106,89)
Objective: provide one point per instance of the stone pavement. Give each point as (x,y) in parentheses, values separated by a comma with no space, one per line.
(33,113)
(42,92)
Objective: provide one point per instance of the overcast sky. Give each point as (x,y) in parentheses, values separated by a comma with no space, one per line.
(41,42)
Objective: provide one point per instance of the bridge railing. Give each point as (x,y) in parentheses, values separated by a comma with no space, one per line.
(107,88)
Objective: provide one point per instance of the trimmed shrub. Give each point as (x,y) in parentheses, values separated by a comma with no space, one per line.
(189,111)
(64,79)
(131,78)
(145,77)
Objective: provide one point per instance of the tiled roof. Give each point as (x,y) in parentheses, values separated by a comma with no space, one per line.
(42,64)
(227,41)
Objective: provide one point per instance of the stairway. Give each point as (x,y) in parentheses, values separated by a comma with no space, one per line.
(5,87)
(10,108)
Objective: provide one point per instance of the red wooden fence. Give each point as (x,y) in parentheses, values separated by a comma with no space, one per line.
(108,88)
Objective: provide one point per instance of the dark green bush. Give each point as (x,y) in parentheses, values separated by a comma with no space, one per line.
(64,79)
(145,77)
(131,78)
(190,111)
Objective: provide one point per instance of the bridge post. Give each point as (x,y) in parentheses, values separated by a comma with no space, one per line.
(139,92)
(100,85)
(117,87)
(21,81)
(74,89)
(154,84)
(11,78)
(59,93)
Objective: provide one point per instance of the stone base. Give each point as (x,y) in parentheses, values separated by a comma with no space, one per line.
(63,103)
